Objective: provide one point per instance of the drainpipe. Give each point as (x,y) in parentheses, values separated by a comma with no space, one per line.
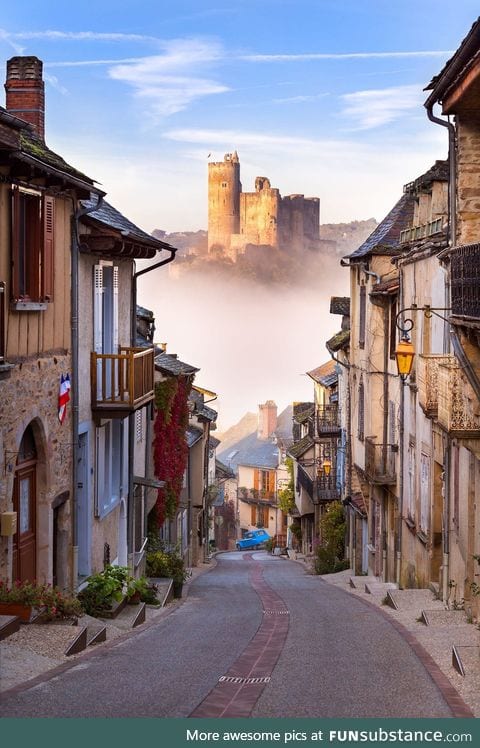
(386,355)
(131,417)
(452,236)
(401,437)
(76,215)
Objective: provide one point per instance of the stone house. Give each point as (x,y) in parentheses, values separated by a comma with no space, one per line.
(115,392)
(456,89)
(40,204)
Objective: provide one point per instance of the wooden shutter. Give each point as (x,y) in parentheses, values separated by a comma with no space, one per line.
(253,516)
(48,216)
(115,309)
(2,322)
(363,309)
(256,479)
(100,476)
(98,309)
(15,244)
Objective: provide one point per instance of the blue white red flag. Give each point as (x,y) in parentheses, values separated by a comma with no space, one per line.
(63,397)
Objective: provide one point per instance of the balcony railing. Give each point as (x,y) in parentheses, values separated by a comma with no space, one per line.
(421,232)
(254,494)
(380,461)
(326,489)
(122,382)
(458,410)
(465,280)
(427,381)
(328,419)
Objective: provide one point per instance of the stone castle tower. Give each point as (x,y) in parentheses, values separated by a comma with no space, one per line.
(251,222)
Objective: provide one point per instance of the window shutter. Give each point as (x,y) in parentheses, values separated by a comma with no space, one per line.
(15,244)
(256,479)
(363,309)
(253,517)
(48,215)
(100,477)
(125,465)
(98,309)
(115,309)
(2,322)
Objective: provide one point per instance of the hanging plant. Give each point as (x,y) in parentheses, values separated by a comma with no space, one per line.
(170,449)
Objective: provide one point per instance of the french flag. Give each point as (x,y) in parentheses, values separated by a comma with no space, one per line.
(63,397)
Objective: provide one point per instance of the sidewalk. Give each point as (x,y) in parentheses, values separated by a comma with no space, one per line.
(446,629)
(37,649)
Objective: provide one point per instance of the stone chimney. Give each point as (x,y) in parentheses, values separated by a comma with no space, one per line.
(267,419)
(26,91)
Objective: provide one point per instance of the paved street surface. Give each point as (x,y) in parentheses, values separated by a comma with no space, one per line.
(257,636)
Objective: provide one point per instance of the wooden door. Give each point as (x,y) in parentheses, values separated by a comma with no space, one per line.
(24,541)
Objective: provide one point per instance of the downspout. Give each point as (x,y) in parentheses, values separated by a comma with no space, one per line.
(76,215)
(386,354)
(452,236)
(131,417)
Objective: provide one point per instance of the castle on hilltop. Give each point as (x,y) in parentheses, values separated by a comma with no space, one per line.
(244,222)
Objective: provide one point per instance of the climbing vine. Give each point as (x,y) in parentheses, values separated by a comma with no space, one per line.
(170,449)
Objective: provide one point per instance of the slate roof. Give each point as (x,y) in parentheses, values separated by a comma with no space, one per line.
(325,370)
(339,341)
(252,452)
(193,435)
(385,288)
(299,448)
(386,235)
(32,146)
(170,364)
(340,305)
(302,415)
(110,217)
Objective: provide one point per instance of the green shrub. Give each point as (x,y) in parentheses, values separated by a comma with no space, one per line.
(329,555)
(158,564)
(103,589)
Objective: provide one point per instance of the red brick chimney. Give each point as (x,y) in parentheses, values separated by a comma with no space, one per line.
(26,91)
(267,419)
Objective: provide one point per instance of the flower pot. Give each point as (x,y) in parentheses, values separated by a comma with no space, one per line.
(177,589)
(134,599)
(24,612)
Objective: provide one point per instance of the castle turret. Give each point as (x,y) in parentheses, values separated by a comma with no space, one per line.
(224,190)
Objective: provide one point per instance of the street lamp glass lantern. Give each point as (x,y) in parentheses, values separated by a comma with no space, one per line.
(327,466)
(404,354)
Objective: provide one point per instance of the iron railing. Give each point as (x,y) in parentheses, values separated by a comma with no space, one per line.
(427,381)
(326,489)
(465,281)
(123,381)
(380,461)
(254,494)
(328,419)
(458,410)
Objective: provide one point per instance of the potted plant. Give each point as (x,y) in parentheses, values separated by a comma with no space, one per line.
(28,600)
(103,590)
(178,572)
(137,589)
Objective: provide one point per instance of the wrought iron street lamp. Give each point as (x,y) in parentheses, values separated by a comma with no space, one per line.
(405,352)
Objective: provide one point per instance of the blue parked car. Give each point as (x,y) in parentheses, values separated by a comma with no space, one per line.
(253,539)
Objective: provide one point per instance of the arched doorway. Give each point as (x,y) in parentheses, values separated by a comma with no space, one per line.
(24,503)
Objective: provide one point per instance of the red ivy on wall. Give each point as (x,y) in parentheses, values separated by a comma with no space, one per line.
(170,449)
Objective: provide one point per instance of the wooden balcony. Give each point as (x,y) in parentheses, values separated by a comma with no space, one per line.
(465,280)
(380,462)
(427,381)
(254,495)
(458,408)
(121,382)
(328,420)
(326,489)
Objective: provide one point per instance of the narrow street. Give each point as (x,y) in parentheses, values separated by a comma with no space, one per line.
(257,636)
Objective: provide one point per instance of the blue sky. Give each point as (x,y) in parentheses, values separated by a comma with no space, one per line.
(324,97)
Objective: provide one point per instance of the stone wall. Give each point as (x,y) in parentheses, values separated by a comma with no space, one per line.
(468,180)
(30,396)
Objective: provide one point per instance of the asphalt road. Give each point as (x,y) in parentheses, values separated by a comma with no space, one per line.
(340,657)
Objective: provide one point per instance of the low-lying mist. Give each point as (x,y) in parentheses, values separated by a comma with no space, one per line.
(253,339)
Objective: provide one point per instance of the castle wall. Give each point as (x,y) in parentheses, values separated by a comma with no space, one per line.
(224,189)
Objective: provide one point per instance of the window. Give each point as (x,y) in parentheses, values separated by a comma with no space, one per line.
(112,465)
(361,411)
(410,495)
(2,323)
(363,310)
(424,492)
(33,218)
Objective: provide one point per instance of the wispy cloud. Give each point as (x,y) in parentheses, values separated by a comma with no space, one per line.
(168,81)
(55,83)
(300,99)
(341,56)
(53,35)
(368,109)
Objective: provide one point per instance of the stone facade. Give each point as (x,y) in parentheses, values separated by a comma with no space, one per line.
(238,221)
